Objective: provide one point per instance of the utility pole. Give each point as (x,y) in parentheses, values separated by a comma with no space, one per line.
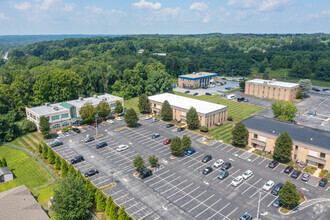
(259,204)
(96,116)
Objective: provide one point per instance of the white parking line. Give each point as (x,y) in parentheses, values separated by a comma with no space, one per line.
(199,203)
(172,187)
(116,192)
(121,196)
(238,186)
(177,191)
(196,162)
(272,202)
(165,184)
(232,148)
(255,158)
(231,212)
(236,151)
(251,186)
(262,161)
(225,147)
(328,188)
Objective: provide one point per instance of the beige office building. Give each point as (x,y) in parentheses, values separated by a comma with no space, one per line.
(196,80)
(271,89)
(311,146)
(209,113)
(67,113)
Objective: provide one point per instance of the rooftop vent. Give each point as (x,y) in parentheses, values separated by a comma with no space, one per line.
(104,99)
(81,99)
(273,131)
(265,82)
(47,104)
(194,73)
(55,108)
(95,96)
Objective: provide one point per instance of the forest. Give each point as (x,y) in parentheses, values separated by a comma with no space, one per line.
(58,70)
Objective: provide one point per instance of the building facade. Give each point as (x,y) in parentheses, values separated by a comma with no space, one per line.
(271,89)
(67,113)
(209,113)
(196,80)
(310,146)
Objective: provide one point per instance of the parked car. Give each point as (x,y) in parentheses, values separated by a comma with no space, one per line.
(56,143)
(122,147)
(295,174)
(218,124)
(100,145)
(238,180)
(323,182)
(273,164)
(226,166)
(76,130)
(207,170)
(167,141)
(169,125)
(305,177)
(196,93)
(277,189)
(240,99)
(246,216)
(148,117)
(89,139)
(277,202)
(223,174)
(209,94)
(91,173)
(207,158)
(110,121)
(190,151)
(187,91)
(95,125)
(145,173)
(154,120)
(218,163)
(246,100)
(268,185)
(180,129)
(156,135)
(316,89)
(228,88)
(288,169)
(205,87)
(247,174)
(77,159)
(119,118)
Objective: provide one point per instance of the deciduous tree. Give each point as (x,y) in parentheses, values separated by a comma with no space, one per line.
(192,118)
(289,195)
(144,103)
(119,107)
(103,109)
(166,111)
(283,148)
(176,146)
(131,117)
(284,111)
(153,160)
(138,162)
(4,162)
(88,112)
(44,126)
(240,134)
(305,85)
(186,142)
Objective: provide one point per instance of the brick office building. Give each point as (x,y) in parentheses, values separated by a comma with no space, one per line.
(196,80)
(271,89)
(209,113)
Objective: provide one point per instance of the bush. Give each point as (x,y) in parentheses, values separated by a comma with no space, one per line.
(203,129)
(300,94)
(323,172)
(65,129)
(230,118)
(257,152)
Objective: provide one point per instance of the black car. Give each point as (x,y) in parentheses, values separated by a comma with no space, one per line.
(277,202)
(223,174)
(205,87)
(196,93)
(207,170)
(323,182)
(76,130)
(295,174)
(91,173)
(209,94)
(89,139)
(180,129)
(169,125)
(316,89)
(226,166)
(77,159)
(240,99)
(288,169)
(187,91)
(145,173)
(277,189)
(273,164)
(100,145)
(207,158)
(56,143)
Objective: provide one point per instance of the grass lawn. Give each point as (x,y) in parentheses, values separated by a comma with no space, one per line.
(132,103)
(222,133)
(29,141)
(45,194)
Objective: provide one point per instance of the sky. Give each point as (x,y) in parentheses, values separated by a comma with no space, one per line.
(33,17)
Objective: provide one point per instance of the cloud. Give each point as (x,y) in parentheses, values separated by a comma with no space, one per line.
(270,5)
(323,13)
(3,17)
(22,6)
(45,4)
(207,18)
(68,7)
(144,4)
(94,9)
(199,6)
(258,5)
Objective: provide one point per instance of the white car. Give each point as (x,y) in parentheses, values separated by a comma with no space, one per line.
(238,180)
(110,121)
(268,185)
(148,117)
(122,147)
(247,174)
(119,118)
(218,163)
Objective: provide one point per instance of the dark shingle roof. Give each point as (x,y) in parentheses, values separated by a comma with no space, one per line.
(307,135)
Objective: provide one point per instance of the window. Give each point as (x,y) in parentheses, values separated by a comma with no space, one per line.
(255,136)
(296,147)
(34,117)
(155,105)
(65,123)
(55,117)
(295,156)
(66,115)
(56,125)
(322,155)
(30,114)
(113,105)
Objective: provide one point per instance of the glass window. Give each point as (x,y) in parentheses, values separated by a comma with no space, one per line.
(66,115)
(255,136)
(55,117)
(296,147)
(56,125)
(322,155)
(65,123)
(113,105)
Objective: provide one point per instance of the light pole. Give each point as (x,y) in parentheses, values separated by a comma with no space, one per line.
(96,116)
(260,192)
(112,176)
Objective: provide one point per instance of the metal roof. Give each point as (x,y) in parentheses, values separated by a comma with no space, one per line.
(200,75)
(5,170)
(307,135)
(66,105)
(273,83)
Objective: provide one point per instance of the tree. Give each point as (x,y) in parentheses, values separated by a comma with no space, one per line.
(71,170)
(265,75)
(58,163)
(166,111)
(265,63)
(284,111)
(45,151)
(283,148)
(186,142)
(153,160)
(1,163)
(113,212)
(242,84)
(176,146)
(261,68)
(144,104)
(100,201)
(51,156)
(28,126)
(192,118)
(72,199)
(119,107)
(289,195)
(108,205)
(88,112)
(300,94)
(240,134)
(4,162)
(122,214)
(305,85)
(44,126)
(64,168)
(138,162)
(131,117)
(90,189)
(39,148)
(103,109)
(158,81)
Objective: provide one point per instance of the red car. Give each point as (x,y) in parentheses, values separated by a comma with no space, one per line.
(167,141)
(94,125)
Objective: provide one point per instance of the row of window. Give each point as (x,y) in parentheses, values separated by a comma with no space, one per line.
(63,124)
(57,117)
(263,91)
(32,116)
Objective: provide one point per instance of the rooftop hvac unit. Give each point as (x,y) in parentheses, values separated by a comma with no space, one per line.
(95,96)
(47,104)
(55,108)
(81,98)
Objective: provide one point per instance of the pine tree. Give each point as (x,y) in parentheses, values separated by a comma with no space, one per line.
(108,205)
(45,152)
(192,118)
(51,156)
(40,148)
(131,117)
(144,104)
(44,126)
(100,201)
(71,170)
(113,212)
(57,163)
(64,168)
(283,148)
(176,146)
(186,142)
(122,214)
(119,107)
(166,111)
(90,188)
(289,195)
(4,162)
(240,134)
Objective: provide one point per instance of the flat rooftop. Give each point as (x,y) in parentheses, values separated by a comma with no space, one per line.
(202,107)
(307,135)
(273,83)
(199,75)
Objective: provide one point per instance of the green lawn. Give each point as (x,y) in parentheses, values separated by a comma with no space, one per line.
(29,141)
(132,103)
(222,133)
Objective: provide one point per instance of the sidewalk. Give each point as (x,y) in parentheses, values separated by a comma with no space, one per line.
(317,172)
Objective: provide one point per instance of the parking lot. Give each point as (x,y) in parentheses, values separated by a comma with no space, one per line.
(178,189)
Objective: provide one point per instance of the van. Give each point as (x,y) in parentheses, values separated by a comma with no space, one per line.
(100,145)
(231,97)
(145,173)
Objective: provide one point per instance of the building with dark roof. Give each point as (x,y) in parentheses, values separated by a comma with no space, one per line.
(312,146)
(18,203)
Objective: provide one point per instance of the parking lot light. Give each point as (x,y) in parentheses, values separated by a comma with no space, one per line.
(96,116)
(260,192)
